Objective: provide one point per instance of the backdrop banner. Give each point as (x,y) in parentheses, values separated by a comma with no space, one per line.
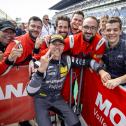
(15,104)
(102,106)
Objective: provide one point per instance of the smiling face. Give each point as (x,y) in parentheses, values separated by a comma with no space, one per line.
(56,49)
(8,36)
(89,28)
(76,21)
(113,33)
(62,28)
(34,27)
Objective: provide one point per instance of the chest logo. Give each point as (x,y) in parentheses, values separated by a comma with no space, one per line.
(63,71)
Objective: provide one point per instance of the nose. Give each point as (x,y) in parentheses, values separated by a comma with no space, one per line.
(62,29)
(112,31)
(36,28)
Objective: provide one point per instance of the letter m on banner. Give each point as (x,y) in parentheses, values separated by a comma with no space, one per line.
(102,106)
(106,105)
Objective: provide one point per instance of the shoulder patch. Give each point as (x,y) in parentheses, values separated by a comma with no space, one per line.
(100,43)
(71,39)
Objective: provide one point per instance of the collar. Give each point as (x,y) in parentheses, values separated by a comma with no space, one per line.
(55,61)
(116,46)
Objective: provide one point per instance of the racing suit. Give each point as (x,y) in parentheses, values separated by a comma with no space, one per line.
(77,47)
(27,44)
(46,89)
(80,48)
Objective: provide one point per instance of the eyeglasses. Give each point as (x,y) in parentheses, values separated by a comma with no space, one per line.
(92,28)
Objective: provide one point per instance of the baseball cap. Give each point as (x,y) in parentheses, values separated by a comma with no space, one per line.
(56,37)
(7,25)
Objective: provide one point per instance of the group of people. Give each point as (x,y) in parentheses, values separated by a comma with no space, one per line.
(57,57)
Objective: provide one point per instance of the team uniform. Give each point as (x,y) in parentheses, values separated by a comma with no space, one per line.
(27,44)
(80,48)
(77,47)
(46,88)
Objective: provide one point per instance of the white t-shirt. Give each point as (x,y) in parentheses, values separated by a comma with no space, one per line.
(47,30)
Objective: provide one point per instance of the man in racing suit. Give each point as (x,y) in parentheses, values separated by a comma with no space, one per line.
(46,84)
(25,43)
(87,44)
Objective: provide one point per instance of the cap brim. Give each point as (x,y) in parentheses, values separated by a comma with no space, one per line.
(5,28)
(59,40)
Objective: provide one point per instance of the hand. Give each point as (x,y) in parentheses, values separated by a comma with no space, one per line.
(111,84)
(39,42)
(47,39)
(15,53)
(1,55)
(32,69)
(44,61)
(1,36)
(105,76)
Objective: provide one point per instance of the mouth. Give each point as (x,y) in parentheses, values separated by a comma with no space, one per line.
(35,33)
(112,37)
(56,52)
(88,35)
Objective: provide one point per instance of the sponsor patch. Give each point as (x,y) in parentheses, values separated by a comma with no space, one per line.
(63,71)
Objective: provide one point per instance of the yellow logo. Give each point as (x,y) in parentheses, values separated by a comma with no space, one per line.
(63,71)
(42,94)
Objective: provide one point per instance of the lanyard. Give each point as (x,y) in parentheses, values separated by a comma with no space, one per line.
(47,28)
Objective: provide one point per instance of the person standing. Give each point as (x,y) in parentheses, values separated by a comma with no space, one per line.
(62,28)
(86,44)
(26,41)
(47,28)
(24,45)
(114,57)
(47,82)
(76,22)
(8,34)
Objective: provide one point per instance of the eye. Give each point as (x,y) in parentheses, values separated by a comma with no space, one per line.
(108,30)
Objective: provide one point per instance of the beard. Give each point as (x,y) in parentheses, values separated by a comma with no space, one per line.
(32,37)
(88,38)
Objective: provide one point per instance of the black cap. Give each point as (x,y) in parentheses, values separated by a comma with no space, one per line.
(7,25)
(56,37)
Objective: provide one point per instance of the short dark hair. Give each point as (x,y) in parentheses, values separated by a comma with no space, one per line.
(34,18)
(64,18)
(115,19)
(79,13)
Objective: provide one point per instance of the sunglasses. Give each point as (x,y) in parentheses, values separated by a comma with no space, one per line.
(47,19)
